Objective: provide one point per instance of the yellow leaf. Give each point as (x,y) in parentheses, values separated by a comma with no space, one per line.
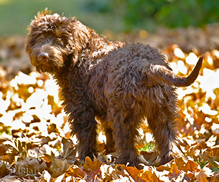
(149,174)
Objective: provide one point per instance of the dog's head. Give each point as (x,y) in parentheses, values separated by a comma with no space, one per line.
(54,41)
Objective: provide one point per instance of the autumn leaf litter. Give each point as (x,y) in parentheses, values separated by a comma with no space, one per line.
(35,141)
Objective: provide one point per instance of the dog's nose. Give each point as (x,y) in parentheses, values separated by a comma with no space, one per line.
(43,56)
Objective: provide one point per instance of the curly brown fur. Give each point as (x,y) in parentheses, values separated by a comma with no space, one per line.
(120,84)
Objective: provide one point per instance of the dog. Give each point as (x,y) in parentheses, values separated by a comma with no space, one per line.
(119,84)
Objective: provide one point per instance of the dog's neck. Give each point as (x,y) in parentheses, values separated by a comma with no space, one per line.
(89,46)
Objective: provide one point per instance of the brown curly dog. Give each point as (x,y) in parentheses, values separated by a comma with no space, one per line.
(119,84)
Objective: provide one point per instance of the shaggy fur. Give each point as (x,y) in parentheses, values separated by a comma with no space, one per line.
(119,84)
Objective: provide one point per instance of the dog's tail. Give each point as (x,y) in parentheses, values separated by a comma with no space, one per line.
(166,75)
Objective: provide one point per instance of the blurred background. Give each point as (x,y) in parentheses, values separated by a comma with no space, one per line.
(116,15)
(191,24)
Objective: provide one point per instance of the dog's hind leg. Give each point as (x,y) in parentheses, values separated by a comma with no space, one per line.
(161,121)
(125,131)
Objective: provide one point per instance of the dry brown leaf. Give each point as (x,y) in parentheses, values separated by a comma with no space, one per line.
(90,165)
(75,171)
(4,169)
(69,150)
(149,174)
(204,175)
(174,172)
(215,178)
(92,168)
(58,166)
(134,173)
(211,153)
(181,164)
(192,166)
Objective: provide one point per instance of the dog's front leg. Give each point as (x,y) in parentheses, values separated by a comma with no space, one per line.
(84,126)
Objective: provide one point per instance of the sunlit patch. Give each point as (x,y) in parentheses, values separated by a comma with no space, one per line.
(2,2)
(209,82)
(40,83)
(206,109)
(74,139)
(181,66)
(66,130)
(179,53)
(208,120)
(102,137)
(30,89)
(210,60)
(216,53)
(174,66)
(107,170)
(149,137)
(202,130)
(34,74)
(27,118)
(215,129)
(189,117)
(180,93)
(52,89)
(191,59)
(13,84)
(15,98)
(22,78)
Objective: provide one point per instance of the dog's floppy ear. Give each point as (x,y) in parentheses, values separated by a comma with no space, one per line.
(81,35)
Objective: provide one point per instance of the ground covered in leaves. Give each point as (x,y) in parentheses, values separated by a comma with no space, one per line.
(35,142)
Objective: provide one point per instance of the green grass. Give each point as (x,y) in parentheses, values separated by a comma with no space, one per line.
(201,162)
(148,147)
(15,15)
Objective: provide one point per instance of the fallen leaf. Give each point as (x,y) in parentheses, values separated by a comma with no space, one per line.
(149,174)
(204,174)
(75,171)
(174,171)
(134,173)
(4,169)
(58,166)
(92,168)
(90,165)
